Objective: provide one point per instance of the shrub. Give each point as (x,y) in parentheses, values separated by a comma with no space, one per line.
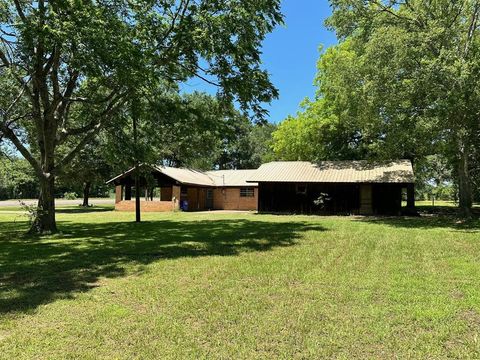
(70,195)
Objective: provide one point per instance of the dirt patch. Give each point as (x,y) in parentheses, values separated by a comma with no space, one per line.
(471,317)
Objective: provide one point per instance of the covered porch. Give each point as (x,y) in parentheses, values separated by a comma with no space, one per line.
(160,193)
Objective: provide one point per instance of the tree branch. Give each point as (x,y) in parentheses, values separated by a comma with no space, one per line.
(20,12)
(77,131)
(181,11)
(388,10)
(472,28)
(4,59)
(57,96)
(15,101)
(65,98)
(69,157)
(96,128)
(201,77)
(10,135)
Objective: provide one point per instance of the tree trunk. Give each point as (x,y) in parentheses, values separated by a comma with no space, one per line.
(464,185)
(44,222)
(86,193)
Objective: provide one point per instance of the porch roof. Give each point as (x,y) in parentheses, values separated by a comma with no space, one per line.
(214,178)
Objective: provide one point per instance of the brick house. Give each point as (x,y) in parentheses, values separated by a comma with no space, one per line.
(326,187)
(169,189)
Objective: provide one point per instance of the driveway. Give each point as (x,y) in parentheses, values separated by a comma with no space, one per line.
(58,202)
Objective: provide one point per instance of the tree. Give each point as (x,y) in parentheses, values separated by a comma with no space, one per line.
(420,63)
(66,69)
(17,180)
(88,169)
(400,84)
(194,126)
(319,132)
(245,145)
(260,140)
(199,132)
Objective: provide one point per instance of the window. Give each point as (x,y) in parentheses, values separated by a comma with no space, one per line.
(247,192)
(209,194)
(183,191)
(301,189)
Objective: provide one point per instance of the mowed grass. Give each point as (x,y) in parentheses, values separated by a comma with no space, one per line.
(231,286)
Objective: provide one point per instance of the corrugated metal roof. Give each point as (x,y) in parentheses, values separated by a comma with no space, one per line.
(400,171)
(231,177)
(195,177)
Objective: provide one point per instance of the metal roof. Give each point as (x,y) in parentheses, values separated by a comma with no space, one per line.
(231,177)
(400,171)
(215,178)
(186,176)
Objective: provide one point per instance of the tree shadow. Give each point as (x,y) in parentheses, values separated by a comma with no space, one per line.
(81,210)
(376,171)
(37,271)
(444,210)
(427,222)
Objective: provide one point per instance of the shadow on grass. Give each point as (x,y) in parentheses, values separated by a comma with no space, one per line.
(82,210)
(427,221)
(445,210)
(38,271)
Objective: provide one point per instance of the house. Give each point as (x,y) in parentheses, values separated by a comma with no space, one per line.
(327,187)
(335,187)
(169,189)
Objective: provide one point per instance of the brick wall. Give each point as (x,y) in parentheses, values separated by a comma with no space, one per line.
(229,199)
(176,197)
(166,193)
(223,199)
(146,206)
(118,193)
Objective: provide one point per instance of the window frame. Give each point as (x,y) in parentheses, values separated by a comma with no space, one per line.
(247,192)
(183,191)
(301,185)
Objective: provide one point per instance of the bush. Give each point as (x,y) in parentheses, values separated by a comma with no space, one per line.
(70,195)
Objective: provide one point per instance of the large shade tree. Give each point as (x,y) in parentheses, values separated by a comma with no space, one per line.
(196,131)
(422,63)
(88,170)
(402,82)
(67,67)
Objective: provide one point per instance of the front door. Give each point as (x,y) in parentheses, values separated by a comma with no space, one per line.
(366,201)
(209,199)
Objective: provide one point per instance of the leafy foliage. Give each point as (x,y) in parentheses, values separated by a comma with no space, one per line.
(17,180)
(68,68)
(402,83)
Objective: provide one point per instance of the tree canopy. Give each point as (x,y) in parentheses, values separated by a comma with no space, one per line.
(401,83)
(67,68)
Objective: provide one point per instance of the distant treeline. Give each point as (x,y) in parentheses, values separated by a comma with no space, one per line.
(17,181)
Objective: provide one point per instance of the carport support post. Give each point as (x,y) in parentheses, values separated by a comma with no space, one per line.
(128,191)
(118,193)
(137,189)
(176,194)
(137,197)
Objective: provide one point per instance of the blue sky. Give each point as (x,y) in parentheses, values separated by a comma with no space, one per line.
(290,54)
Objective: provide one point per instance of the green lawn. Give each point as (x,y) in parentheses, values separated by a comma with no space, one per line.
(239,286)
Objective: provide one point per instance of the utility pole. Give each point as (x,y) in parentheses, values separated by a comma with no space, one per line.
(135,144)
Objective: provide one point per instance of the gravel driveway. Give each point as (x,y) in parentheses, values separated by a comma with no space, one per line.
(58,202)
